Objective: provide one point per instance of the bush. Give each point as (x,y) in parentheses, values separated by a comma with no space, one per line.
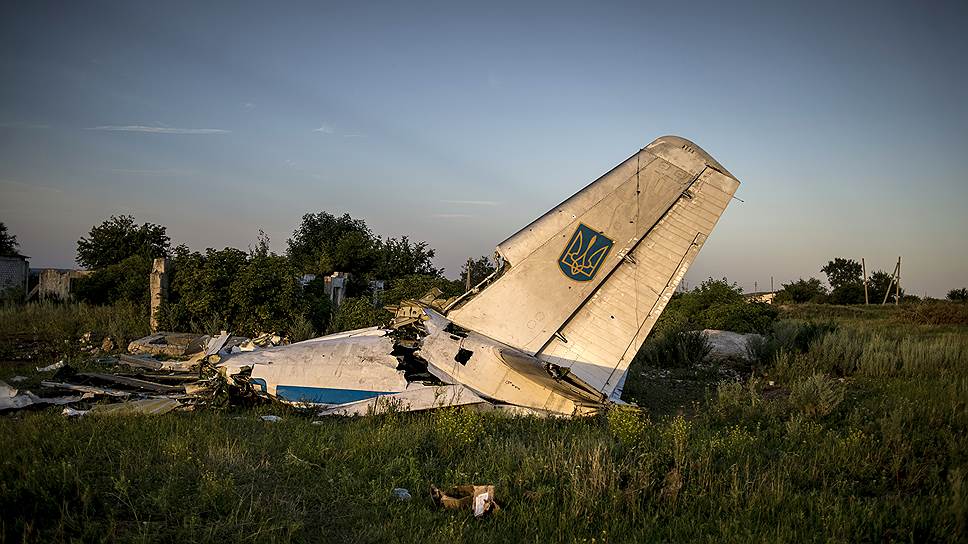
(357,313)
(674,349)
(933,313)
(126,281)
(246,293)
(715,304)
(816,395)
(787,336)
(850,293)
(801,291)
(958,295)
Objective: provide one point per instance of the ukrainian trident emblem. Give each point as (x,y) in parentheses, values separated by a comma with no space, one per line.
(584,254)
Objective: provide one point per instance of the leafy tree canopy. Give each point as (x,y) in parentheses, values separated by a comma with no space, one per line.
(479,269)
(8,242)
(958,295)
(324,243)
(801,291)
(881,282)
(119,238)
(842,272)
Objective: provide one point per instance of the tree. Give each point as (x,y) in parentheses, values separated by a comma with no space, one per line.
(119,238)
(842,272)
(8,242)
(479,268)
(396,258)
(849,293)
(958,295)
(324,243)
(801,291)
(881,282)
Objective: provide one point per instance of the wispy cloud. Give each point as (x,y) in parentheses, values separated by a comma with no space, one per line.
(354,135)
(22,125)
(324,129)
(150,172)
(159,130)
(248,105)
(472,202)
(451,215)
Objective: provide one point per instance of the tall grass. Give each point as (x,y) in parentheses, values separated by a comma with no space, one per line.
(862,436)
(54,328)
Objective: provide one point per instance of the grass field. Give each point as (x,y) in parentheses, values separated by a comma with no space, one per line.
(862,437)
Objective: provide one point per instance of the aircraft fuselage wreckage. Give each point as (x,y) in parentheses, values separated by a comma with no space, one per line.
(552,332)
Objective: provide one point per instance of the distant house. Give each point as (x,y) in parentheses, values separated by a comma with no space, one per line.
(762,296)
(14,273)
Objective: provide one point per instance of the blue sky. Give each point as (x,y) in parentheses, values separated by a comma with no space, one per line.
(458,124)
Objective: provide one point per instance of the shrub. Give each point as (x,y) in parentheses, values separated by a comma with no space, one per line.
(851,293)
(357,313)
(801,291)
(674,349)
(816,395)
(627,424)
(958,295)
(715,304)
(126,281)
(457,427)
(933,313)
(787,336)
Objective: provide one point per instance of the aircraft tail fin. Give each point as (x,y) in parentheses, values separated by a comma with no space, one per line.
(584,283)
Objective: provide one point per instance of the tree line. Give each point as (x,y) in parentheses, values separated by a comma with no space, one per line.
(256,290)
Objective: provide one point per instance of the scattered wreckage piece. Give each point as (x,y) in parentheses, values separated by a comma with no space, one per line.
(12,398)
(50,368)
(728,345)
(87,389)
(338,369)
(476,498)
(133,382)
(170,344)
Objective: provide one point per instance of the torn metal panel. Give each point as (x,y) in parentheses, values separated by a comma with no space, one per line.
(171,344)
(328,370)
(14,399)
(133,382)
(416,398)
(87,389)
(140,362)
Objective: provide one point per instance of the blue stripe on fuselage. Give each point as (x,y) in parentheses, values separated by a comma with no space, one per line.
(324,395)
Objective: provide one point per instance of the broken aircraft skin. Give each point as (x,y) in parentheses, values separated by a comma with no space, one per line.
(554,331)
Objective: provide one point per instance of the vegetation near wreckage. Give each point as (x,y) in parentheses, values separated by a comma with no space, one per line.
(862,435)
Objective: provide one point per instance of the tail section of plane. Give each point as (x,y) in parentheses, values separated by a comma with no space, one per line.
(585,283)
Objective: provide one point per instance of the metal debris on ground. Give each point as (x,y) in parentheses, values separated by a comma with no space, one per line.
(477,498)
(51,368)
(271,419)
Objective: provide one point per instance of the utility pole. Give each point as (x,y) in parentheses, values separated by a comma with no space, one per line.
(897,283)
(470,263)
(864,266)
(891,283)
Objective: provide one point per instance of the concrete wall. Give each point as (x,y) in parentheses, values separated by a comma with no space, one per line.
(14,272)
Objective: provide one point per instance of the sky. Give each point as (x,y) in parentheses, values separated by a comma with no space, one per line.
(459,123)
